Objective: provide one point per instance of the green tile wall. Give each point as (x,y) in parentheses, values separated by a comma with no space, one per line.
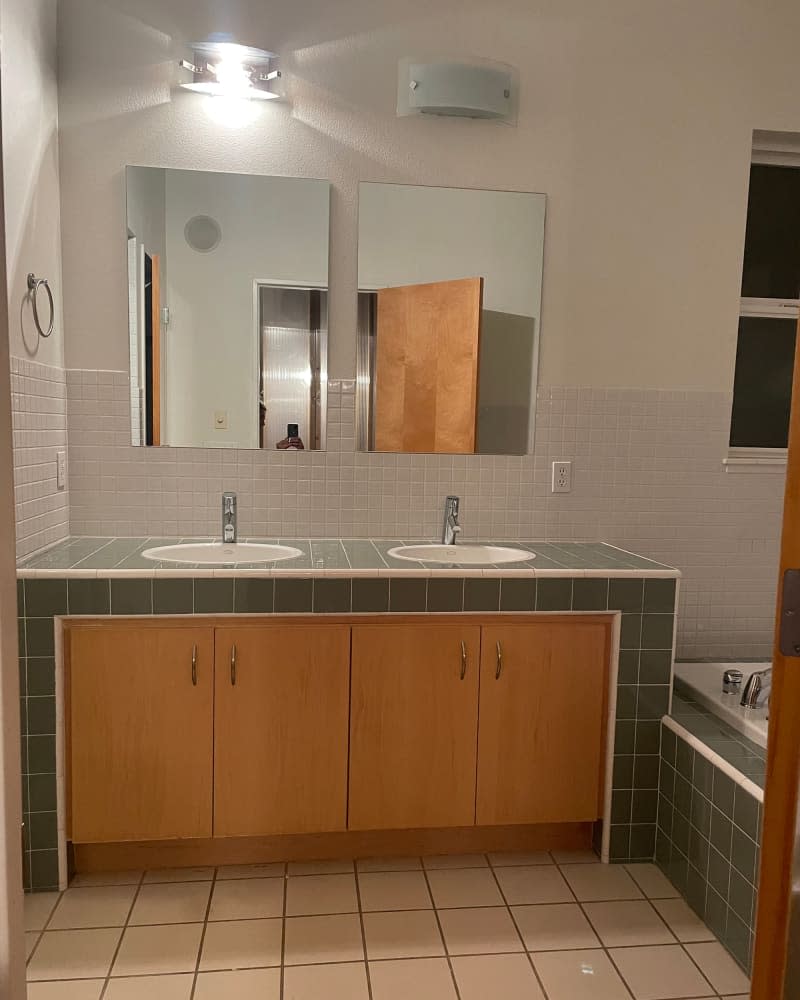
(643,693)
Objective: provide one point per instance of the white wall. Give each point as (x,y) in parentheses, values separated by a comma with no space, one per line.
(410,234)
(274,230)
(30,153)
(635,120)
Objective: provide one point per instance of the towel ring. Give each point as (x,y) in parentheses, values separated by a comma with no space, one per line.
(34,284)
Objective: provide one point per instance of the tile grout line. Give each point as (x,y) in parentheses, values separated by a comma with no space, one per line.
(438,919)
(363,929)
(203,932)
(125,926)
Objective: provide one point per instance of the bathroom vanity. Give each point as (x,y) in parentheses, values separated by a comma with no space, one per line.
(343,703)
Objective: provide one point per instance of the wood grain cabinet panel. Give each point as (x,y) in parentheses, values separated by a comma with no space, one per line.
(541,741)
(280,737)
(141,725)
(413,726)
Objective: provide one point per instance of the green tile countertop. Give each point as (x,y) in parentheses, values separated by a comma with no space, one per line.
(360,557)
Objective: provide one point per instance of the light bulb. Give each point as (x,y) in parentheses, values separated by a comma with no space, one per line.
(233,78)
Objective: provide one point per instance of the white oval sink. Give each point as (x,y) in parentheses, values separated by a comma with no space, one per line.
(467,555)
(215,553)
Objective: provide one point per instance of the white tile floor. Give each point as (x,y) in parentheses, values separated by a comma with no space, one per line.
(514,927)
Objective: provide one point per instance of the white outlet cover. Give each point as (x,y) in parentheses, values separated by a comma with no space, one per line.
(61,470)
(562,477)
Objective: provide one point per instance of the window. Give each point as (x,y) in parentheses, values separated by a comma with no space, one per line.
(770,308)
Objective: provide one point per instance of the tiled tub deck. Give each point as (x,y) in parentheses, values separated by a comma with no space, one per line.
(98,577)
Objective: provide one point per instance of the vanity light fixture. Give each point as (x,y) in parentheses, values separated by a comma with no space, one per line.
(223,68)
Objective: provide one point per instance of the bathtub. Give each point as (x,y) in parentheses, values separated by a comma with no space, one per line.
(703,683)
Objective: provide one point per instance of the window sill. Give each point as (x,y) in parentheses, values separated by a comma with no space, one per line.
(756,463)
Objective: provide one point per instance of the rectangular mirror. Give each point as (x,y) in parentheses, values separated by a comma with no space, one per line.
(450,287)
(227,309)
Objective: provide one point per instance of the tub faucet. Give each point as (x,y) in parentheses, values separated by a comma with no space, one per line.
(757,689)
(451,527)
(229,530)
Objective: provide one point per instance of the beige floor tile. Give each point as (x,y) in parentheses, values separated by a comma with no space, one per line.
(436,862)
(84,880)
(247,899)
(106,906)
(331,982)
(320,867)
(628,922)
(579,975)
(739,996)
(242,944)
(404,934)
(152,987)
(587,857)
(554,927)
(74,954)
(171,903)
(76,989)
(179,875)
(276,870)
(660,973)
(599,883)
(31,937)
(484,977)
(394,891)
(389,864)
(417,978)
(464,887)
(719,968)
(323,939)
(652,881)
(481,931)
(249,984)
(150,951)
(517,859)
(533,884)
(38,907)
(682,920)
(319,894)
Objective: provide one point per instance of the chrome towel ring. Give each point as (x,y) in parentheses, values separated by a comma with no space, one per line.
(34,284)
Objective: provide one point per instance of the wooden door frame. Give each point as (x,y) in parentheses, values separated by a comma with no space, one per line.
(783,757)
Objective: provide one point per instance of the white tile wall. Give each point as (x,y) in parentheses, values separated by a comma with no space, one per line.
(648,475)
(39,422)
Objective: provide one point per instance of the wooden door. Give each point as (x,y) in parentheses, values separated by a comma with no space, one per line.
(543,704)
(413,726)
(776,962)
(426,367)
(280,736)
(141,724)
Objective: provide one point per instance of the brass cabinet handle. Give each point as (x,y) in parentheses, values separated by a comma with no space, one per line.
(463,661)
(194,665)
(233,666)
(499,669)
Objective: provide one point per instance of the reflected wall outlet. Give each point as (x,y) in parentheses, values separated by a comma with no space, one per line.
(562,477)
(61,470)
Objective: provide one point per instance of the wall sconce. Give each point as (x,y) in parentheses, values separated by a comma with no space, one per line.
(226,69)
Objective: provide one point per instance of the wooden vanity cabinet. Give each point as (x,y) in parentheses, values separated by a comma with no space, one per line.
(141,726)
(280,736)
(543,708)
(413,725)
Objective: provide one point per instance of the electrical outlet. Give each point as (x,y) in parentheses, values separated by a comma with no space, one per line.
(220,420)
(61,470)
(562,477)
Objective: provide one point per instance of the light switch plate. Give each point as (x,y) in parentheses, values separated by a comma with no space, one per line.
(61,470)
(562,477)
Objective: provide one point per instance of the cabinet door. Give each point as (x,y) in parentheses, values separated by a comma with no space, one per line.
(280,732)
(413,726)
(542,723)
(141,726)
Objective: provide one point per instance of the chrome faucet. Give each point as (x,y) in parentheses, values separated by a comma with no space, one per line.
(451,527)
(757,689)
(229,529)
